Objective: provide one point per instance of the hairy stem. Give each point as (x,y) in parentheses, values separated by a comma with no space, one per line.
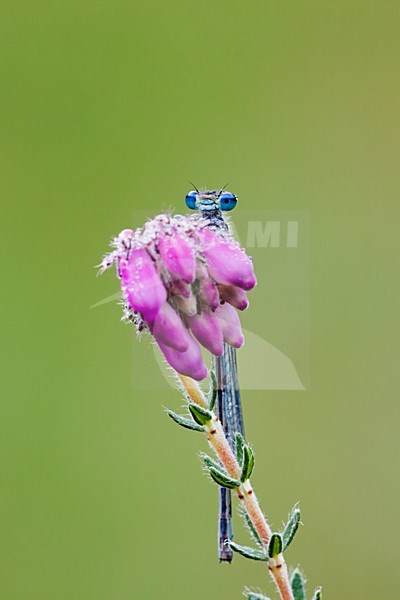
(216,438)
(279,573)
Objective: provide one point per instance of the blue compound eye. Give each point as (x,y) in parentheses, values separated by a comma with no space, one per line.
(191,199)
(227,201)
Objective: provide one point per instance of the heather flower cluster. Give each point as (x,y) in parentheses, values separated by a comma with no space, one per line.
(184,281)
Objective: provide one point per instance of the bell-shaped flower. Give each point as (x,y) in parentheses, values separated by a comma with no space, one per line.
(141,284)
(207,330)
(190,362)
(209,295)
(234,295)
(178,256)
(169,329)
(229,322)
(226,262)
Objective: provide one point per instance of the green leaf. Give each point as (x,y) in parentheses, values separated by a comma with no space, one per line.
(213,391)
(297,584)
(252,529)
(291,527)
(248,463)
(248,552)
(184,422)
(223,479)
(200,414)
(317,594)
(210,463)
(275,545)
(254,596)
(239,448)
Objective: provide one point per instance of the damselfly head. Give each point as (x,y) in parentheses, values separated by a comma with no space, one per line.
(209,201)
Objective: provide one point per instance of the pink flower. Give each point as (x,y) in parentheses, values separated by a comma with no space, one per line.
(182,282)
(208,291)
(188,363)
(234,295)
(207,331)
(177,254)
(141,284)
(169,329)
(226,262)
(229,322)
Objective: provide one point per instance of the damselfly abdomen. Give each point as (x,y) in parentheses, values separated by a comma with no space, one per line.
(229,410)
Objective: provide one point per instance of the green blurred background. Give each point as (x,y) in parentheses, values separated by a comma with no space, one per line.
(111,107)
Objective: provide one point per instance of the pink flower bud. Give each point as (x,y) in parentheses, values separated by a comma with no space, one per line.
(229,322)
(209,293)
(141,285)
(178,256)
(190,362)
(169,329)
(227,263)
(206,329)
(234,295)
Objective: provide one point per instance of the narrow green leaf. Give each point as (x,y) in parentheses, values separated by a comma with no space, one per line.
(248,552)
(199,414)
(255,596)
(210,463)
(239,448)
(248,463)
(275,545)
(317,594)
(291,527)
(213,391)
(252,529)
(184,422)
(223,479)
(297,584)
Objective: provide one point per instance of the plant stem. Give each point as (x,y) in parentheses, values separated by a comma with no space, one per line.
(216,438)
(279,573)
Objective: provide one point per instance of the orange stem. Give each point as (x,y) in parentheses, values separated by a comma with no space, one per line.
(218,442)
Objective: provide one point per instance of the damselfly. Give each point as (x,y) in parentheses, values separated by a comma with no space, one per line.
(229,410)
